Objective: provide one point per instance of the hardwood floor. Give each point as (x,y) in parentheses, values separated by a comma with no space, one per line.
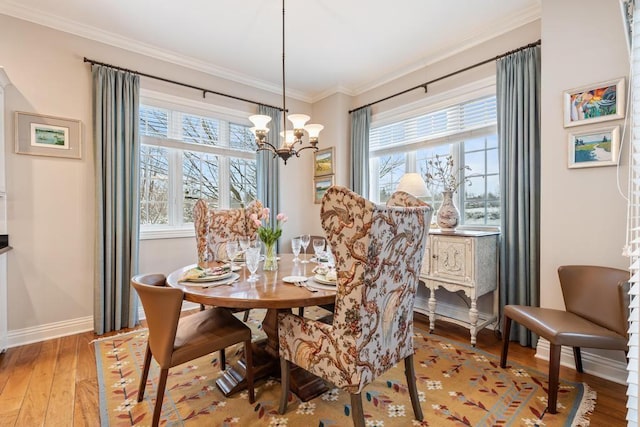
(54,383)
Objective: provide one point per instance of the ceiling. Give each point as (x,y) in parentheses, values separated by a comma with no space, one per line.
(347,46)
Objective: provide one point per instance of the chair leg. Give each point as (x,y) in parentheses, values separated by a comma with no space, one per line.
(301,311)
(246,316)
(201,307)
(223,360)
(578,359)
(145,373)
(162,383)
(248,358)
(506,330)
(410,373)
(356,410)
(284,383)
(554,372)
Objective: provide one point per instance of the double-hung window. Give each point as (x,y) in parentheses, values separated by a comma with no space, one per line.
(187,154)
(466,131)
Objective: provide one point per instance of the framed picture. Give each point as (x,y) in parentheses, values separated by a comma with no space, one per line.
(594,103)
(320,185)
(48,136)
(323,162)
(597,147)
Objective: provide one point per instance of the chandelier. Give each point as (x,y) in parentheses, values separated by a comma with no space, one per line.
(290,138)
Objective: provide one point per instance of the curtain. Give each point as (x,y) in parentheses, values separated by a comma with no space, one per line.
(360,123)
(518,105)
(116,102)
(268,166)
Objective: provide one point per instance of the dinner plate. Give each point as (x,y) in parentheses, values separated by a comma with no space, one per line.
(231,278)
(316,285)
(294,279)
(210,278)
(321,279)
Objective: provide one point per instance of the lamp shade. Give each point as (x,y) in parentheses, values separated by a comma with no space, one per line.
(298,120)
(413,184)
(260,121)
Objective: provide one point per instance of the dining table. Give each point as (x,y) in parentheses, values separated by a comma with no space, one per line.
(274,294)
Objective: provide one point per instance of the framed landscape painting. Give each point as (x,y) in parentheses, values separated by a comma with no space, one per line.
(597,147)
(41,135)
(323,162)
(594,103)
(320,185)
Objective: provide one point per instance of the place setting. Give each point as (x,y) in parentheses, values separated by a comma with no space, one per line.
(209,277)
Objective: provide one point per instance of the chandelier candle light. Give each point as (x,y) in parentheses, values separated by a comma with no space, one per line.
(289,137)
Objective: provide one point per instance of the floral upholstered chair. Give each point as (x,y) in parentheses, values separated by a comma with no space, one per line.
(214,227)
(372,328)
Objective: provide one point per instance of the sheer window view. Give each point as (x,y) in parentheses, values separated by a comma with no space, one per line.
(185,157)
(465,131)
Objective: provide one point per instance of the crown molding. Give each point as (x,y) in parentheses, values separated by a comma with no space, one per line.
(14,9)
(489,32)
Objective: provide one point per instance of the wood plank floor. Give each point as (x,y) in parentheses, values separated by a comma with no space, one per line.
(54,383)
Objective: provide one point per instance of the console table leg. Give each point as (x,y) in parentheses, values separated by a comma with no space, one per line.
(473,319)
(432,310)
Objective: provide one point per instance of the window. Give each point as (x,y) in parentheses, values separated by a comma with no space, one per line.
(185,157)
(467,132)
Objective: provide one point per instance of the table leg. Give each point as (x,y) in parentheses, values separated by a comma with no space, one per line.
(266,362)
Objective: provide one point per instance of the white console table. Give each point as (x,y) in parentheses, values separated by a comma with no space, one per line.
(464,261)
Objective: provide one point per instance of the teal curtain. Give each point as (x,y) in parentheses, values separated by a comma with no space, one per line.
(518,99)
(360,123)
(268,166)
(116,102)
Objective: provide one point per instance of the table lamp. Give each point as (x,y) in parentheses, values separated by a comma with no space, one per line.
(413,184)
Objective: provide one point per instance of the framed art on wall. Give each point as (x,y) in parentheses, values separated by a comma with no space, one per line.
(42,135)
(320,185)
(594,103)
(596,147)
(323,162)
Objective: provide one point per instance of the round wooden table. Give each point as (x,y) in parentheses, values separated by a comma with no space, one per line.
(270,293)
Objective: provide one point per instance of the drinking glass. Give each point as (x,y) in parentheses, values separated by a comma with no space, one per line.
(304,241)
(232,251)
(244,242)
(252,259)
(295,248)
(318,248)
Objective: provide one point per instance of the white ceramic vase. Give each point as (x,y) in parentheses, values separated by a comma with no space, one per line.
(448,214)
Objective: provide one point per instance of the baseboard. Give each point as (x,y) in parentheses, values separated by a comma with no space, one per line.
(593,364)
(18,337)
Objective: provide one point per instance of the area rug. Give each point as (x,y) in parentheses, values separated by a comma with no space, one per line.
(458,386)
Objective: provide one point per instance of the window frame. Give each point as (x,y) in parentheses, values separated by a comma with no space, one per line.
(154,99)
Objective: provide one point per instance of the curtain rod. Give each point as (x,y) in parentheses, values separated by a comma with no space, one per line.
(424,85)
(203,90)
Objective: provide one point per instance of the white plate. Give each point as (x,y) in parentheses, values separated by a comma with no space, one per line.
(321,279)
(232,277)
(313,284)
(236,267)
(294,279)
(211,278)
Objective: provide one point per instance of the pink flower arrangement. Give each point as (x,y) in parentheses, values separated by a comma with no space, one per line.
(267,234)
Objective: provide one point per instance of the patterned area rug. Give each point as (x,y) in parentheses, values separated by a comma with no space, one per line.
(458,386)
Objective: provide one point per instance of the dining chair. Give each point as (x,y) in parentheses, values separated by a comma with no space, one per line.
(173,340)
(596,314)
(214,227)
(378,254)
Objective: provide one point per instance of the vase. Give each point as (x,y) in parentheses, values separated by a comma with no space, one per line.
(448,214)
(270,258)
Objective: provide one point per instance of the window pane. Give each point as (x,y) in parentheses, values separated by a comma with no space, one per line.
(391,170)
(154,185)
(474,144)
(153,121)
(492,141)
(199,181)
(242,182)
(492,161)
(240,137)
(200,130)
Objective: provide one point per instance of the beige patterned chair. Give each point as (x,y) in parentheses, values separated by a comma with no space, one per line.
(214,227)
(372,328)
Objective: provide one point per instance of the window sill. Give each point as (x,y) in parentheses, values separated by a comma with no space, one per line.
(166,233)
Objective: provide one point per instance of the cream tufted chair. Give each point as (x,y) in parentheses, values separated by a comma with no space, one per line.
(372,328)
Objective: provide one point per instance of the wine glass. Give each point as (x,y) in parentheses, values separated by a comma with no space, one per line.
(252,259)
(295,248)
(318,248)
(232,251)
(243,241)
(304,241)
